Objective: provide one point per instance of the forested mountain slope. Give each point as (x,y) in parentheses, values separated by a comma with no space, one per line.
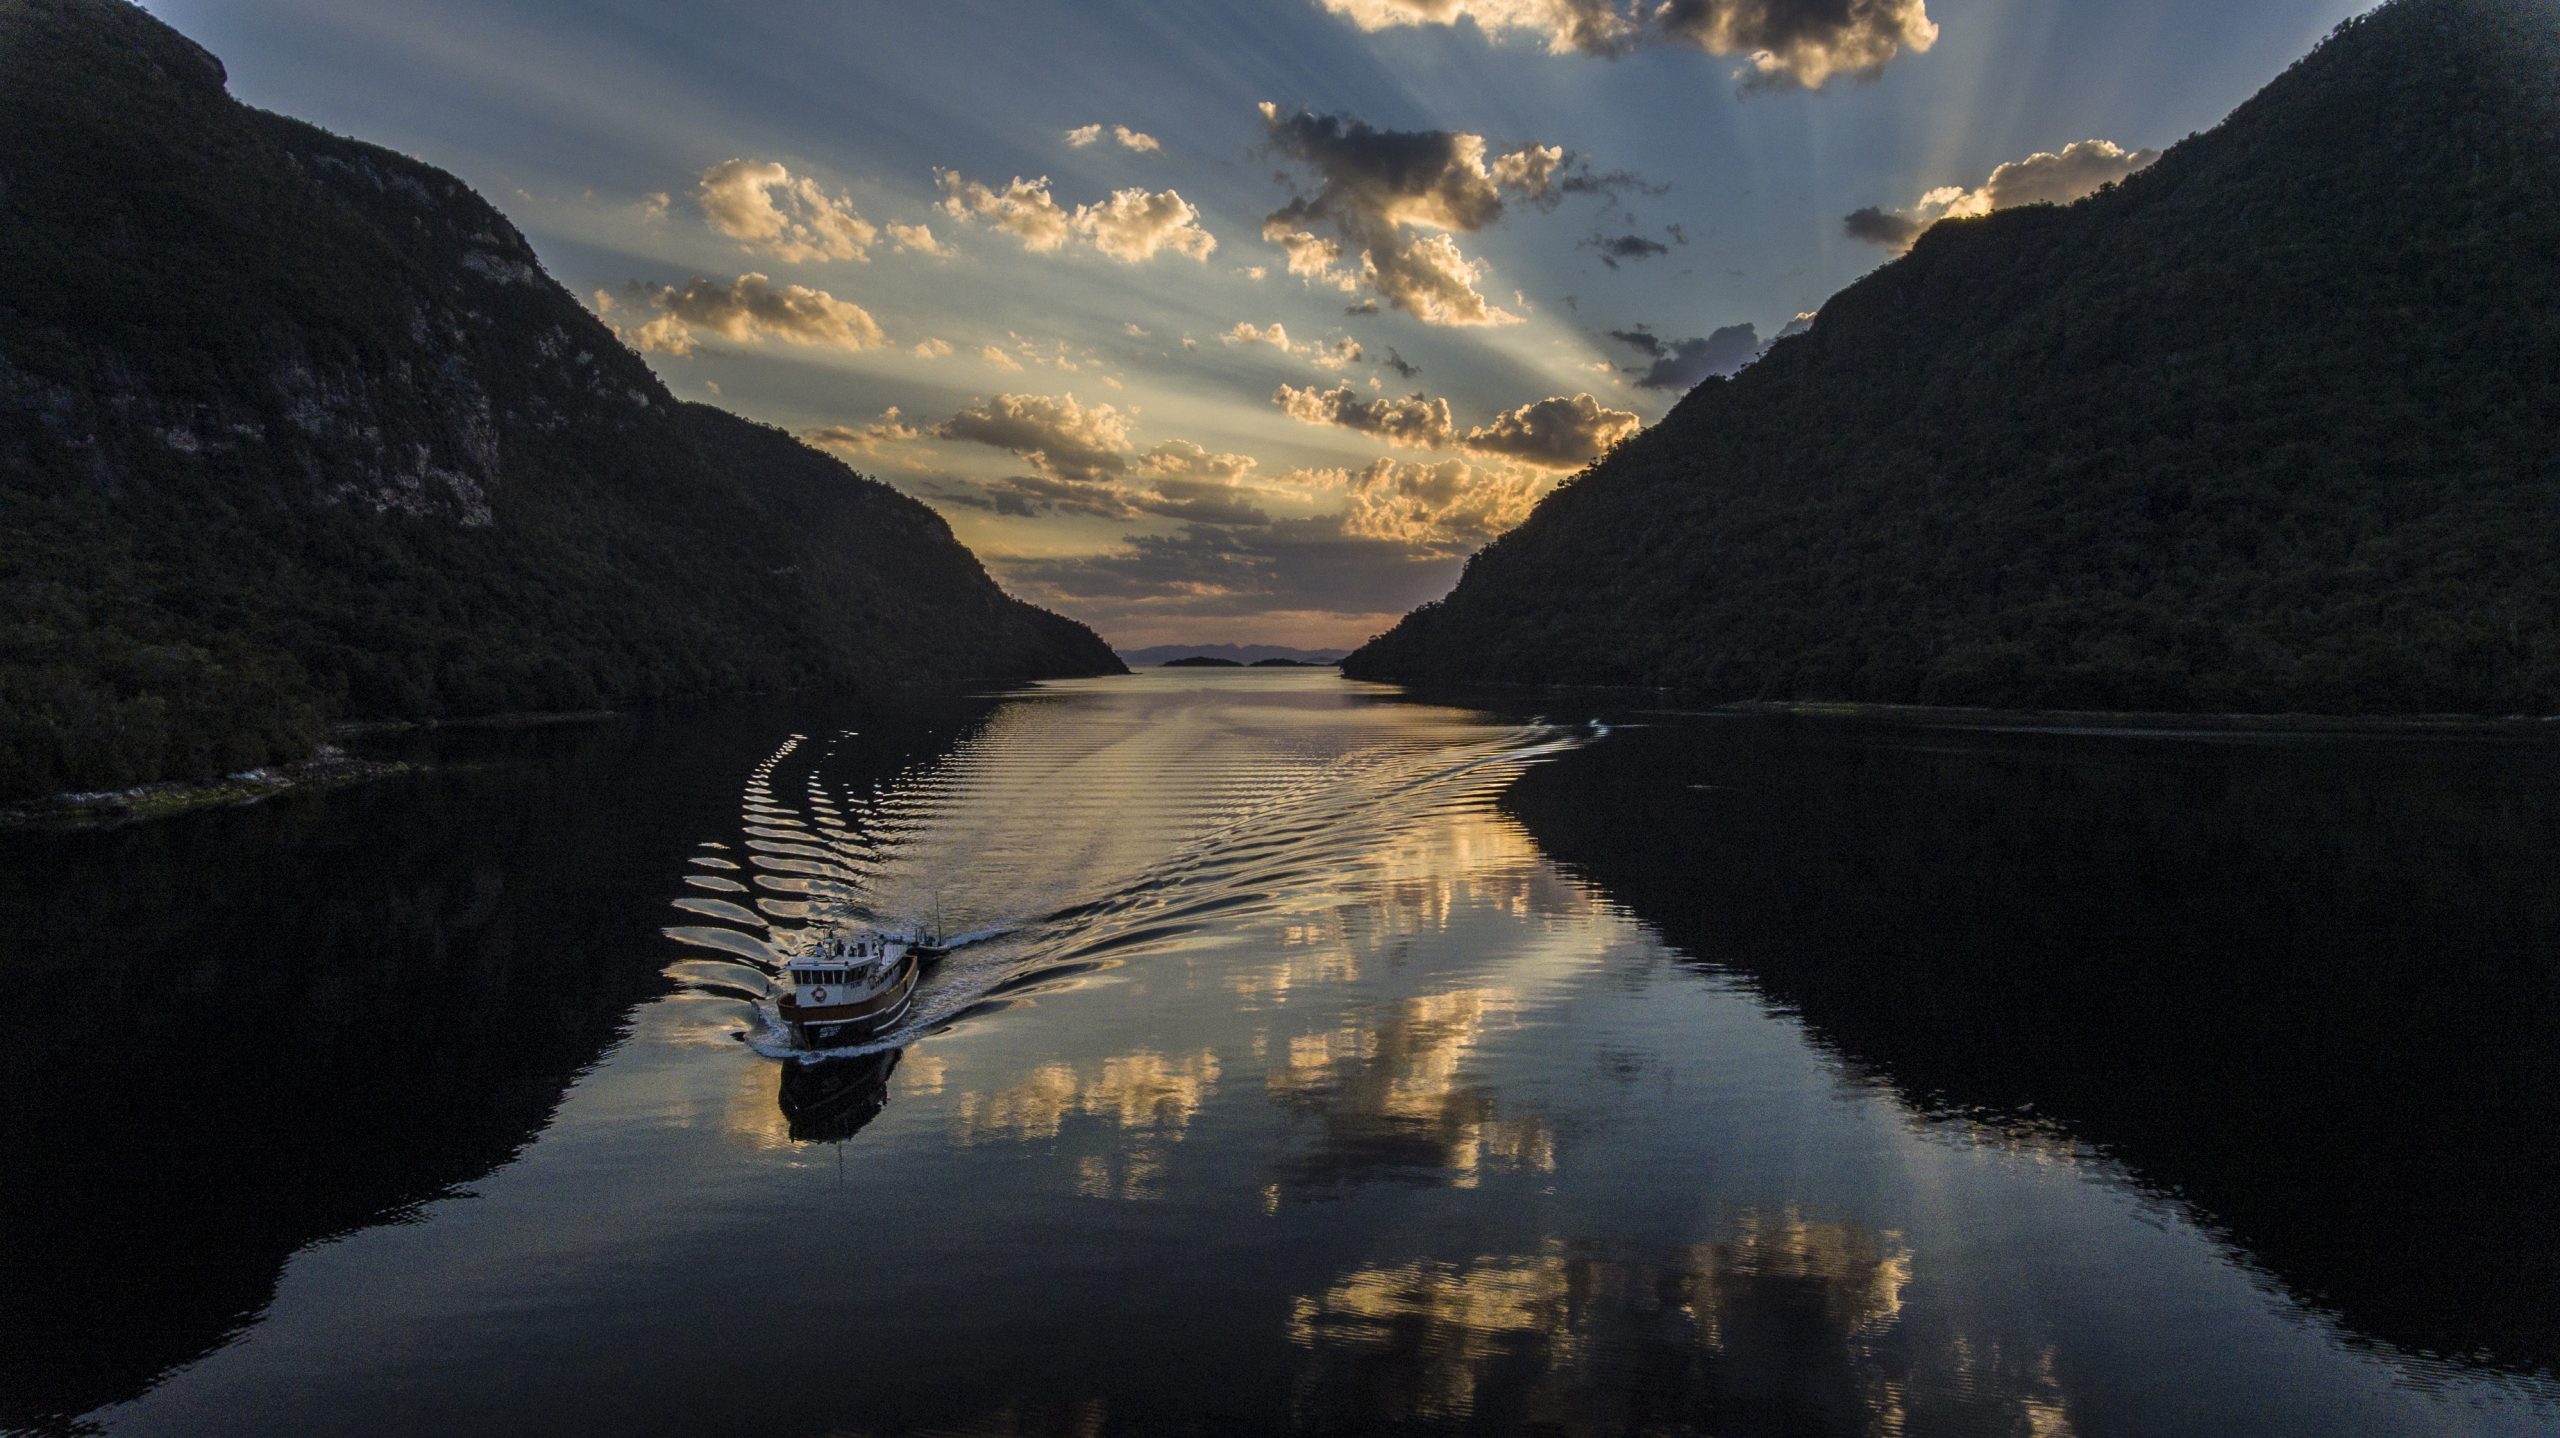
(2273,425)
(295,429)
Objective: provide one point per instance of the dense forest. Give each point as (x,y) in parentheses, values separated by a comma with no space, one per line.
(296,430)
(2273,425)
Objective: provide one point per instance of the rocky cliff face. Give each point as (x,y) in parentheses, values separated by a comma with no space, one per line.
(293,428)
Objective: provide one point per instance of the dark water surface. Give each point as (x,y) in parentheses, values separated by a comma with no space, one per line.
(1329,1062)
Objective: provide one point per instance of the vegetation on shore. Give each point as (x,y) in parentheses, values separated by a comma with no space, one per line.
(2266,428)
(295,430)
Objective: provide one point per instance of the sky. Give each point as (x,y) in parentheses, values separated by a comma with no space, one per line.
(1238,320)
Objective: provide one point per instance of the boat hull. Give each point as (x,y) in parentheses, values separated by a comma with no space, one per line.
(836,1026)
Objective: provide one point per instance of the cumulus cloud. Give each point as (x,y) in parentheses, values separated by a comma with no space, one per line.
(1023,209)
(1374,189)
(1335,353)
(1181,459)
(1560,432)
(997,357)
(1138,140)
(1134,225)
(1416,421)
(1131,226)
(864,438)
(1063,438)
(1680,364)
(918,238)
(1801,42)
(928,349)
(750,308)
(763,207)
(2080,170)
(1449,506)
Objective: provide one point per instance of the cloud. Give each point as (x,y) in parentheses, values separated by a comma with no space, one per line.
(928,349)
(751,308)
(1374,188)
(1614,248)
(2082,169)
(1176,479)
(1131,226)
(1181,459)
(1066,440)
(1022,209)
(1803,42)
(1334,353)
(1802,322)
(1680,364)
(760,205)
(1397,541)
(1561,432)
(1143,143)
(1447,506)
(997,357)
(918,238)
(1397,363)
(1884,227)
(864,439)
(1414,422)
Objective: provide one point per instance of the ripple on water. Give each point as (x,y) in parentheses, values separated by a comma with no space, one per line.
(1074,833)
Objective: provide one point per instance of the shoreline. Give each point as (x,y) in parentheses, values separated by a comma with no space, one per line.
(2150,720)
(329,769)
(1645,699)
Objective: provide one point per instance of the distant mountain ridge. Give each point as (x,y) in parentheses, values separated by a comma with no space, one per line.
(2273,425)
(1240,653)
(296,429)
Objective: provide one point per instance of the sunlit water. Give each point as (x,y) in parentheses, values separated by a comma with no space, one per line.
(1322,1062)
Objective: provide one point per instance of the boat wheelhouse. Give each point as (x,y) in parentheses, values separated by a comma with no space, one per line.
(848,989)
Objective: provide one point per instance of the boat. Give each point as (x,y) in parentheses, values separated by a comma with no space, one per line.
(849,988)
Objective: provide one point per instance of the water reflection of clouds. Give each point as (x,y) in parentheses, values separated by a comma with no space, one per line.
(1394,1099)
(1137,1091)
(1784,1325)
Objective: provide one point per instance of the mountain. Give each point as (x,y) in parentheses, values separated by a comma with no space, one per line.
(1240,653)
(294,429)
(2269,426)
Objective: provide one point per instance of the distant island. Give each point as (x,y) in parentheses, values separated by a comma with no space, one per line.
(2267,427)
(1240,653)
(1201,661)
(295,430)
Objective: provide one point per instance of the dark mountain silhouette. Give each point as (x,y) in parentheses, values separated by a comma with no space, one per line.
(295,429)
(1241,653)
(2269,426)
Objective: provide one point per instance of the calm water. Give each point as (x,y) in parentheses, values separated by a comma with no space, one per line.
(1329,1062)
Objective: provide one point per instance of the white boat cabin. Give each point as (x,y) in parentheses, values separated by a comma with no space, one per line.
(845,968)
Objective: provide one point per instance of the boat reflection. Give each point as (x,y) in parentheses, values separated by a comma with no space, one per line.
(831,1100)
